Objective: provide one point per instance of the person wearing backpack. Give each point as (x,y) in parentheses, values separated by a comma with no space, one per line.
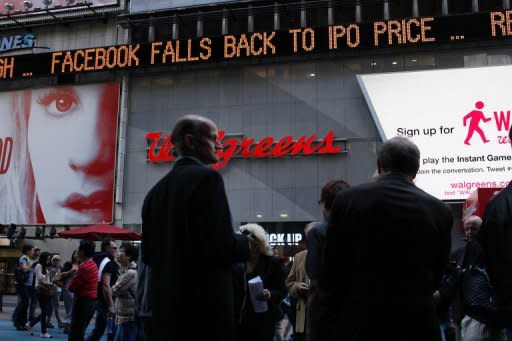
(108,272)
(24,278)
(124,291)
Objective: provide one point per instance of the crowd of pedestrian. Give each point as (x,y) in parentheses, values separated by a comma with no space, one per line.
(377,266)
(101,284)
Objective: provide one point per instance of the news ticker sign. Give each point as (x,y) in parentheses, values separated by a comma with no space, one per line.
(161,149)
(426,31)
(17,42)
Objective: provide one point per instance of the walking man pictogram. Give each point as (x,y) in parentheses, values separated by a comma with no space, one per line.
(475,117)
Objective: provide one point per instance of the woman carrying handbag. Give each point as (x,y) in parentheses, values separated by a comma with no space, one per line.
(45,291)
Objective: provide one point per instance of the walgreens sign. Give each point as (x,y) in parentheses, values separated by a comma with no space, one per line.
(160,147)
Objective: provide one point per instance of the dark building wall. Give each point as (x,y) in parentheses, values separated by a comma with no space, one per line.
(288,98)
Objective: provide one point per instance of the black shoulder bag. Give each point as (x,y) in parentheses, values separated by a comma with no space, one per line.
(477,291)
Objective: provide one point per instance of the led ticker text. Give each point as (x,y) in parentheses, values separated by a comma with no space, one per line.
(97,59)
(411,31)
(6,67)
(501,23)
(424,31)
(179,51)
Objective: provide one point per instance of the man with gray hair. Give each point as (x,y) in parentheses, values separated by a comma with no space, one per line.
(471,227)
(189,242)
(386,247)
(477,323)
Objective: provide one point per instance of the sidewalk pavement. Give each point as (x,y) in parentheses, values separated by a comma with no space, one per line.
(9,333)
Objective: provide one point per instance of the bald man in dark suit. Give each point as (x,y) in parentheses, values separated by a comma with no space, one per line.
(189,242)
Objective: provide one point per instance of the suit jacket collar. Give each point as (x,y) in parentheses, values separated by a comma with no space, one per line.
(395,176)
(188,160)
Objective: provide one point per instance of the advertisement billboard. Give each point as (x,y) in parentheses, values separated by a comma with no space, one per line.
(459,118)
(151,5)
(57,154)
(477,201)
(15,7)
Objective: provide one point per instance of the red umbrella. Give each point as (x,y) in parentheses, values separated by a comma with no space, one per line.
(99,231)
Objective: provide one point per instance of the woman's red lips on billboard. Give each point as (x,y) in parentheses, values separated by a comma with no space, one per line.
(79,202)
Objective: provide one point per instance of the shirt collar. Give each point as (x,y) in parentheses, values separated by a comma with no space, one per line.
(193,158)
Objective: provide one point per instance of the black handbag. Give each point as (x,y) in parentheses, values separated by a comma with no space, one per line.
(46,290)
(477,290)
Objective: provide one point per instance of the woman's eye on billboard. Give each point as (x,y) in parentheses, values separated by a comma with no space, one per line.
(63,162)
(60,102)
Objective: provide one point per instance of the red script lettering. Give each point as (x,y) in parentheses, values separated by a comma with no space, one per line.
(6,145)
(160,149)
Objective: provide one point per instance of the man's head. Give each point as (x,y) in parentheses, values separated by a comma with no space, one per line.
(37,253)
(56,260)
(328,194)
(399,155)
(127,253)
(28,249)
(108,245)
(471,227)
(309,226)
(197,136)
(85,249)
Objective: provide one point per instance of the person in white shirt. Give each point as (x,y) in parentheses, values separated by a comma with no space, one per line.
(45,292)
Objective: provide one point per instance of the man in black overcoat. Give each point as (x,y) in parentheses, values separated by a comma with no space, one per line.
(387,245)
(189,242)
(495,236)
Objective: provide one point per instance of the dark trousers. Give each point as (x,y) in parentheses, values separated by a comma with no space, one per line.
(101,324)
(44,303)
(144,328)
(33,302)
(83,310)
(14,316)
(20,312)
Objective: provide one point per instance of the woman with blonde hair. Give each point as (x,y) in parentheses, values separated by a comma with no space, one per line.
(260,326)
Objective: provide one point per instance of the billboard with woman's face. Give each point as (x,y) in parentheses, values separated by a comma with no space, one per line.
(57,154)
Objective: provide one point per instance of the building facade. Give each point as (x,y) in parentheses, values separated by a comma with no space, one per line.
(262,70)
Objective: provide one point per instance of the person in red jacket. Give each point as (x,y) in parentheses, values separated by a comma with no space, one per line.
(84,285)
